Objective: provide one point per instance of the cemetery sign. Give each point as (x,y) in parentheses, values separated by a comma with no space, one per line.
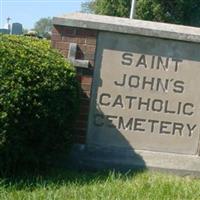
(145,100)
(146,88)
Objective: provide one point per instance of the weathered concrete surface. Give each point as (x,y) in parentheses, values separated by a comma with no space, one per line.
(97,158)
(145,95)
(129,26)
(72,57)
(145,106)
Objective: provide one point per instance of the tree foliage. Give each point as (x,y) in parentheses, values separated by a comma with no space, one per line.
(44,27)
(186,12)
(120,8)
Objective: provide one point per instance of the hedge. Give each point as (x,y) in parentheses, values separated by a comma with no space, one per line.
(38,103)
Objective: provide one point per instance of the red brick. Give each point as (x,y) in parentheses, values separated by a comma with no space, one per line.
(86,94)
(53,44)
(89,56)
(86,79)
(57,30)
(86,32)
(82,40)
(91,49)
(86,87)
(80,129)
(56,37)
(78,77)
(69,31)
(84,98)
(82,47)
(85,101)
(79,132)
(84,109)
(62,45)
(70,39)
(81,140)
(82,134)
(65,38)
(81,124)
(91,41)
(86,40)
(83,117)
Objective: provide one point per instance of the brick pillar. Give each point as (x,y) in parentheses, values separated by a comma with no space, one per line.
(62,36)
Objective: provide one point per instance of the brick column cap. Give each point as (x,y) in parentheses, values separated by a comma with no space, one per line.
(130,26)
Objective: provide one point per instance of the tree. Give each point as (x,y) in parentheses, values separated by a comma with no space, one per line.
(120,8)
(25,31)
(88,7)
(44,27)
(186,12)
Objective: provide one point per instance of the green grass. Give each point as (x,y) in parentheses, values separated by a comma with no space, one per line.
(106,186)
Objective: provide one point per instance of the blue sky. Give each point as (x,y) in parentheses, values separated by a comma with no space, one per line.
(28,12)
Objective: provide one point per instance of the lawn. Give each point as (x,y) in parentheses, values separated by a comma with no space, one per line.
(68,185)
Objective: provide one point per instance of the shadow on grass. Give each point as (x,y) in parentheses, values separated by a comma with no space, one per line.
(58,178)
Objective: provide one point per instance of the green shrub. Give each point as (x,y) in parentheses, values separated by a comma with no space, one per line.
(38,103)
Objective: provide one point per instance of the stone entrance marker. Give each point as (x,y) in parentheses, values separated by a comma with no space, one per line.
(145,104)
(146,89)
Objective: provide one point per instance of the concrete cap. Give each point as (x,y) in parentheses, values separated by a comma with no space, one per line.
(129,26)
